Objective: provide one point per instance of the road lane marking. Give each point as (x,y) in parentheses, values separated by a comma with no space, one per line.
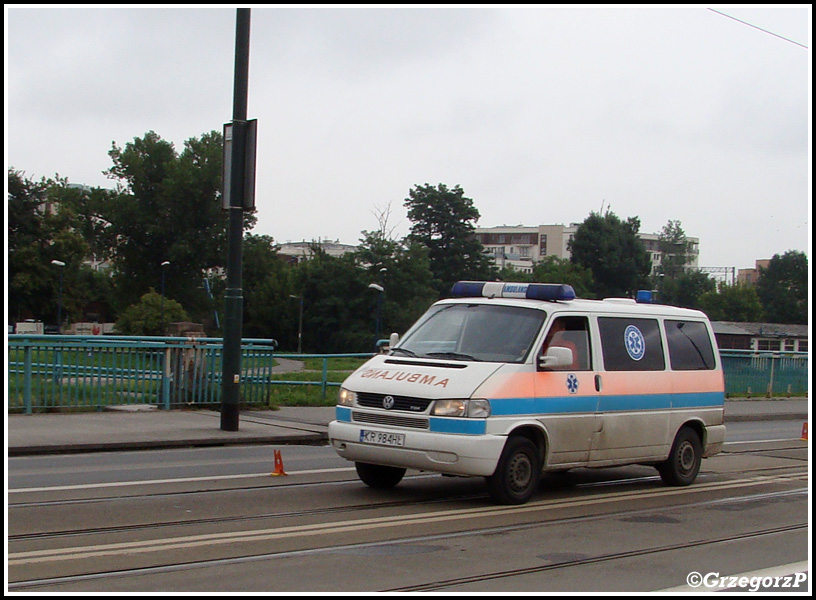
(91,486)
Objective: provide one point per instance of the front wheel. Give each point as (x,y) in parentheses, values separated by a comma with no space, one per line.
(379,476)
(683,464)
(517,474)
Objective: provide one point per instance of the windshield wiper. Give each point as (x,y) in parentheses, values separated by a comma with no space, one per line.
(405,351)
(451,355)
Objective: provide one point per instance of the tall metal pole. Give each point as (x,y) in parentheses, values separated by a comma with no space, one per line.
(233,298)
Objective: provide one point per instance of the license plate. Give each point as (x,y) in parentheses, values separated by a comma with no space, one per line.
(382,438)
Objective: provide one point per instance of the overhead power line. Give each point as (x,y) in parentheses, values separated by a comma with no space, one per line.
(755,27)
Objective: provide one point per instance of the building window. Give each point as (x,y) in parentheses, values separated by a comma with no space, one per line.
(769,345)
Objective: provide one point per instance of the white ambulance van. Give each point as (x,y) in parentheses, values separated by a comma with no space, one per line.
(508,380)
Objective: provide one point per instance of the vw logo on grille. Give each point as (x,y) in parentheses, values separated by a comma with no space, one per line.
(388,402)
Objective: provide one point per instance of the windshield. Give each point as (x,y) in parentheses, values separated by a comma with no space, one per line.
(474,332)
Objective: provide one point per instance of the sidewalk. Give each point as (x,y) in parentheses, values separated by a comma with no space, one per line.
(142,427)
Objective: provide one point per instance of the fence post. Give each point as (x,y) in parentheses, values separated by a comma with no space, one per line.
(27,380)
(770,384)
(325,376)
(165,384)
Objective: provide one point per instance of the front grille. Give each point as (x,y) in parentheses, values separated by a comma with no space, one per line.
(407,403)
(390,419)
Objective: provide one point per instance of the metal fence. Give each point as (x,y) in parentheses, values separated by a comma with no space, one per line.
(67,371)
(749,373)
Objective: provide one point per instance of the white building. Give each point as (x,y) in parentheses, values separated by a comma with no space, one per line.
(521,247)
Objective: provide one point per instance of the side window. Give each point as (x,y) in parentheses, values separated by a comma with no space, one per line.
(631,344)
(689,346)
(572,333)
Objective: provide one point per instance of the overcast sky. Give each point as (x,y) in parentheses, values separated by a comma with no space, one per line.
(541,113)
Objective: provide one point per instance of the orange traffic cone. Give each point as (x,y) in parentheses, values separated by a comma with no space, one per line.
(278,465)
(804,437)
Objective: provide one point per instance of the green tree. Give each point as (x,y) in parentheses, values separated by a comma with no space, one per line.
(338,307)
(268,283)
(686,289)
(403,270)
(732,303)
(167,208)
(443,220)
(150,316)
(42,229)
(783,288)
(675,250)
(611,250)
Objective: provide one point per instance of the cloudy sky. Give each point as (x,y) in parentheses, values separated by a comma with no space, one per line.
(541,113)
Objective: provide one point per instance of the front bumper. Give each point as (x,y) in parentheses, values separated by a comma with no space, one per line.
(450,453)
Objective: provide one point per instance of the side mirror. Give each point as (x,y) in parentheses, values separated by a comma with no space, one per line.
(555,357)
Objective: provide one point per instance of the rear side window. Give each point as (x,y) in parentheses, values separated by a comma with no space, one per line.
(631,344)
(689,346)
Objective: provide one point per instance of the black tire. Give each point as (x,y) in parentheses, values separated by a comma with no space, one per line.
(683,464)
(517,474)
(379,476)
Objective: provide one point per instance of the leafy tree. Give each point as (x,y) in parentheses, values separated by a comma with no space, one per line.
(612,251)
(783,288)
(443,220)
(167,208)
(338,307)
(686,289)
(404,272)
(732,303)
(268,283)
(150,316)
(675,250)
(41,229)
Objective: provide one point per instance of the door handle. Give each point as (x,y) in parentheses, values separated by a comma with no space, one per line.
(598,383)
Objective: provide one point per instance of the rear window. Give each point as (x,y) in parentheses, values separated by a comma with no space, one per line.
(689,346)
(630,344)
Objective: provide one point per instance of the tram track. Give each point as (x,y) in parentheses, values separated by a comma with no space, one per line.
(447,583)
(509,573)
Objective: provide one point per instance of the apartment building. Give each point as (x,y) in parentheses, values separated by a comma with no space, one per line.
(520,247)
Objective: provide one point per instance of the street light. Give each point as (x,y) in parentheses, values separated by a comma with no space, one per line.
(381,290)
(59,263)
(300,323)
(163,265)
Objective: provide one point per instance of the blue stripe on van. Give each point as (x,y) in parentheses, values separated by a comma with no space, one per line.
(503,407)
(590,404)
(342,413)
(453,425)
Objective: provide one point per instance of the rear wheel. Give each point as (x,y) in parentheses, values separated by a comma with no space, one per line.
(379,476)
(517,474)
(683,464)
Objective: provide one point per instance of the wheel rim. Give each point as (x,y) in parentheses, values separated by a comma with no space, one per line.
(686,457)
(520,472)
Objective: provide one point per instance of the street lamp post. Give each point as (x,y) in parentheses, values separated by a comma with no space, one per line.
(300,323)
(163,265)
(380,291)
(61,265)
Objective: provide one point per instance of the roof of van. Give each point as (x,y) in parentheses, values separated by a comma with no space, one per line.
(621,306)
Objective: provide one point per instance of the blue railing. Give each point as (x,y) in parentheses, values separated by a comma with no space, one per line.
(68,371)
(749,373)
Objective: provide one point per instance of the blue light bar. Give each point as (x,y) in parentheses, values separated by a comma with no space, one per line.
(643,297)
(499,289)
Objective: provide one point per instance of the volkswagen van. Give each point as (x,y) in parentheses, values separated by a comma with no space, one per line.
(509,380)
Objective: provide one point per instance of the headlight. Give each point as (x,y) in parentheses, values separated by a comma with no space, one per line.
(477,409)
(346,397)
